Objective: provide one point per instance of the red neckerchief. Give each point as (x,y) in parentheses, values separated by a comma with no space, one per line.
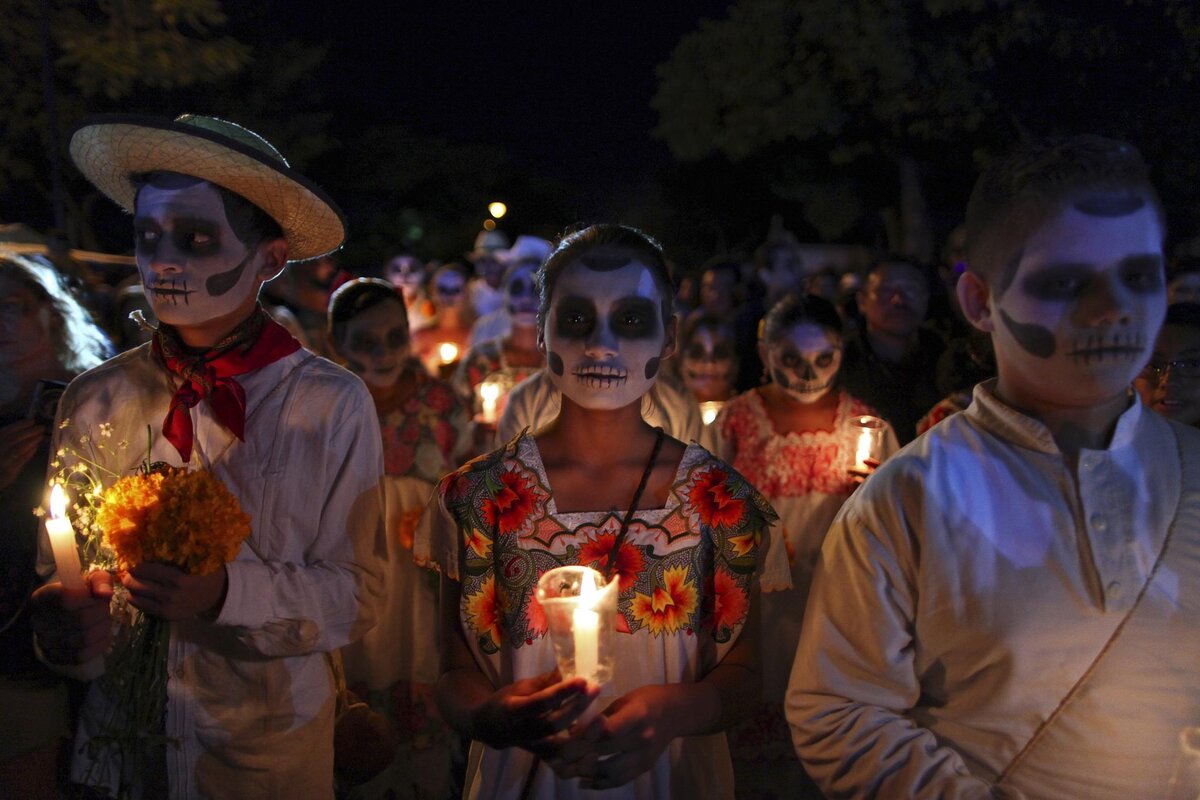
(254,344)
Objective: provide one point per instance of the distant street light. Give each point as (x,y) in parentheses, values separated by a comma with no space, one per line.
(497,209)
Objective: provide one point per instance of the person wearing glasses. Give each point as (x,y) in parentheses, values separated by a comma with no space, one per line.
(891,362)
(1170,383)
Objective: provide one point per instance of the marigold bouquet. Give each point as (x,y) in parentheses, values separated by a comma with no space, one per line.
(158,513)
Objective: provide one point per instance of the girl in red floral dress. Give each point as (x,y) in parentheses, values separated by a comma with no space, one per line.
(686,664)
(394,667)
(791,438)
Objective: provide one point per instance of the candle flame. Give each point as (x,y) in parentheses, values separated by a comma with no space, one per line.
(489,391)
(587,589)
(447,351)
(58,502)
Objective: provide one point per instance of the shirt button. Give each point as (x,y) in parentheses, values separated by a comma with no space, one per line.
(1099,522)
(1088,462)
(1115,591)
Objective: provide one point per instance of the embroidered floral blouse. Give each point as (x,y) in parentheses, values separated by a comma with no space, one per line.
(686,573)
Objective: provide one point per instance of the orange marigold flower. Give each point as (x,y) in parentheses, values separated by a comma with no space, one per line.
(189,519)
(670,607)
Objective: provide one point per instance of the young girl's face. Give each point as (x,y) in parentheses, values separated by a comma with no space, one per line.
(375,344)
(707,364)
(604,334)
(804,361)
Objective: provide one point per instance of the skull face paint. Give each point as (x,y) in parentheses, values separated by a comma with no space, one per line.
(376,344)
(520,295)
(1076,323)
(707,364)
(192,264)
(804,362)
(605,334)
(407,274)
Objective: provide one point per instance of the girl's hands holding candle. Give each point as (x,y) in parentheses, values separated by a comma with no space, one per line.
(527,711)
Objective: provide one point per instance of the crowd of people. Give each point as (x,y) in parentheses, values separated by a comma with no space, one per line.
(996,598)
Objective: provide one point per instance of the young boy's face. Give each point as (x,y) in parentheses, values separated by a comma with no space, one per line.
(1079,318)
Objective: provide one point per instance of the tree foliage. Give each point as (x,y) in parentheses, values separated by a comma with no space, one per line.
(815,91)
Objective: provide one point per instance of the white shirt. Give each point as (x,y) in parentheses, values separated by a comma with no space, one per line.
(535,401)
(251,696)
(968,585)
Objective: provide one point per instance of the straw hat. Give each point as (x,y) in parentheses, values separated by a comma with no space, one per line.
(110,149)
(487,243)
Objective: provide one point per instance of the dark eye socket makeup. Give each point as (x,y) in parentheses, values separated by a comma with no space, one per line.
(630,318)
(1140,273)
(188,235)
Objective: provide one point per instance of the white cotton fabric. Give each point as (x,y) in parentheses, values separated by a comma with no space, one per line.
(968,585)
(250,696)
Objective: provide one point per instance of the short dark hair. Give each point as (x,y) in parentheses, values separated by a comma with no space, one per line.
(799,309)
(609,239)
(1019,192)
(250,224)
(353,298)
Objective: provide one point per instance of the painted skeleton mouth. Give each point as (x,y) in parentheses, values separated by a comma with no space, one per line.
(812,389)
(174,291)
(601,376)
(1094,349)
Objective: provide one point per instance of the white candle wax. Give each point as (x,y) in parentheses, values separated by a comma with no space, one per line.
(489,397)
(863,451)
(62,542)
(586,626)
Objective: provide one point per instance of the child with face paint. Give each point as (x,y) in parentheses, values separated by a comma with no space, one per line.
(514,356)
(1010,606)
(599,485)
(707,361)
(395,665)
(793,438)
(250,692)
(451,323)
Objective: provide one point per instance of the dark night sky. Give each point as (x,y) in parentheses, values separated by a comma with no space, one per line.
(563,88)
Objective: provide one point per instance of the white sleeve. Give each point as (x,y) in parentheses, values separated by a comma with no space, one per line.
(332,597)
(853,680)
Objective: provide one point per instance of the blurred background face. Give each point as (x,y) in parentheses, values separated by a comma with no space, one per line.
(1170,382)
(520,294)
(782,271)
(716,291)
(894,300)
(25,326)
(804,361)
(1184,288)
(490,269)
(449,288)
(375,344)
(707,364)
(407,274)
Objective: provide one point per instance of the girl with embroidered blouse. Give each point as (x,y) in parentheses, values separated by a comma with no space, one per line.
(792,438)
(684,533)
(395,666)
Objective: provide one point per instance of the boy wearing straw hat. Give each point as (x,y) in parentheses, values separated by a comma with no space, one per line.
(1010,606)
(250,693)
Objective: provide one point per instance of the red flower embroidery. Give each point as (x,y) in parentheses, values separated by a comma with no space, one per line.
(535,618)
(729,602)
(629,563)
(439,398)
(515,504)
(711,499)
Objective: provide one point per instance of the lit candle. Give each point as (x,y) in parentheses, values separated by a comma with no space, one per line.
(62,542)
(586,629)
(863,451)
(489,397)
(447,351)
(709,410)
